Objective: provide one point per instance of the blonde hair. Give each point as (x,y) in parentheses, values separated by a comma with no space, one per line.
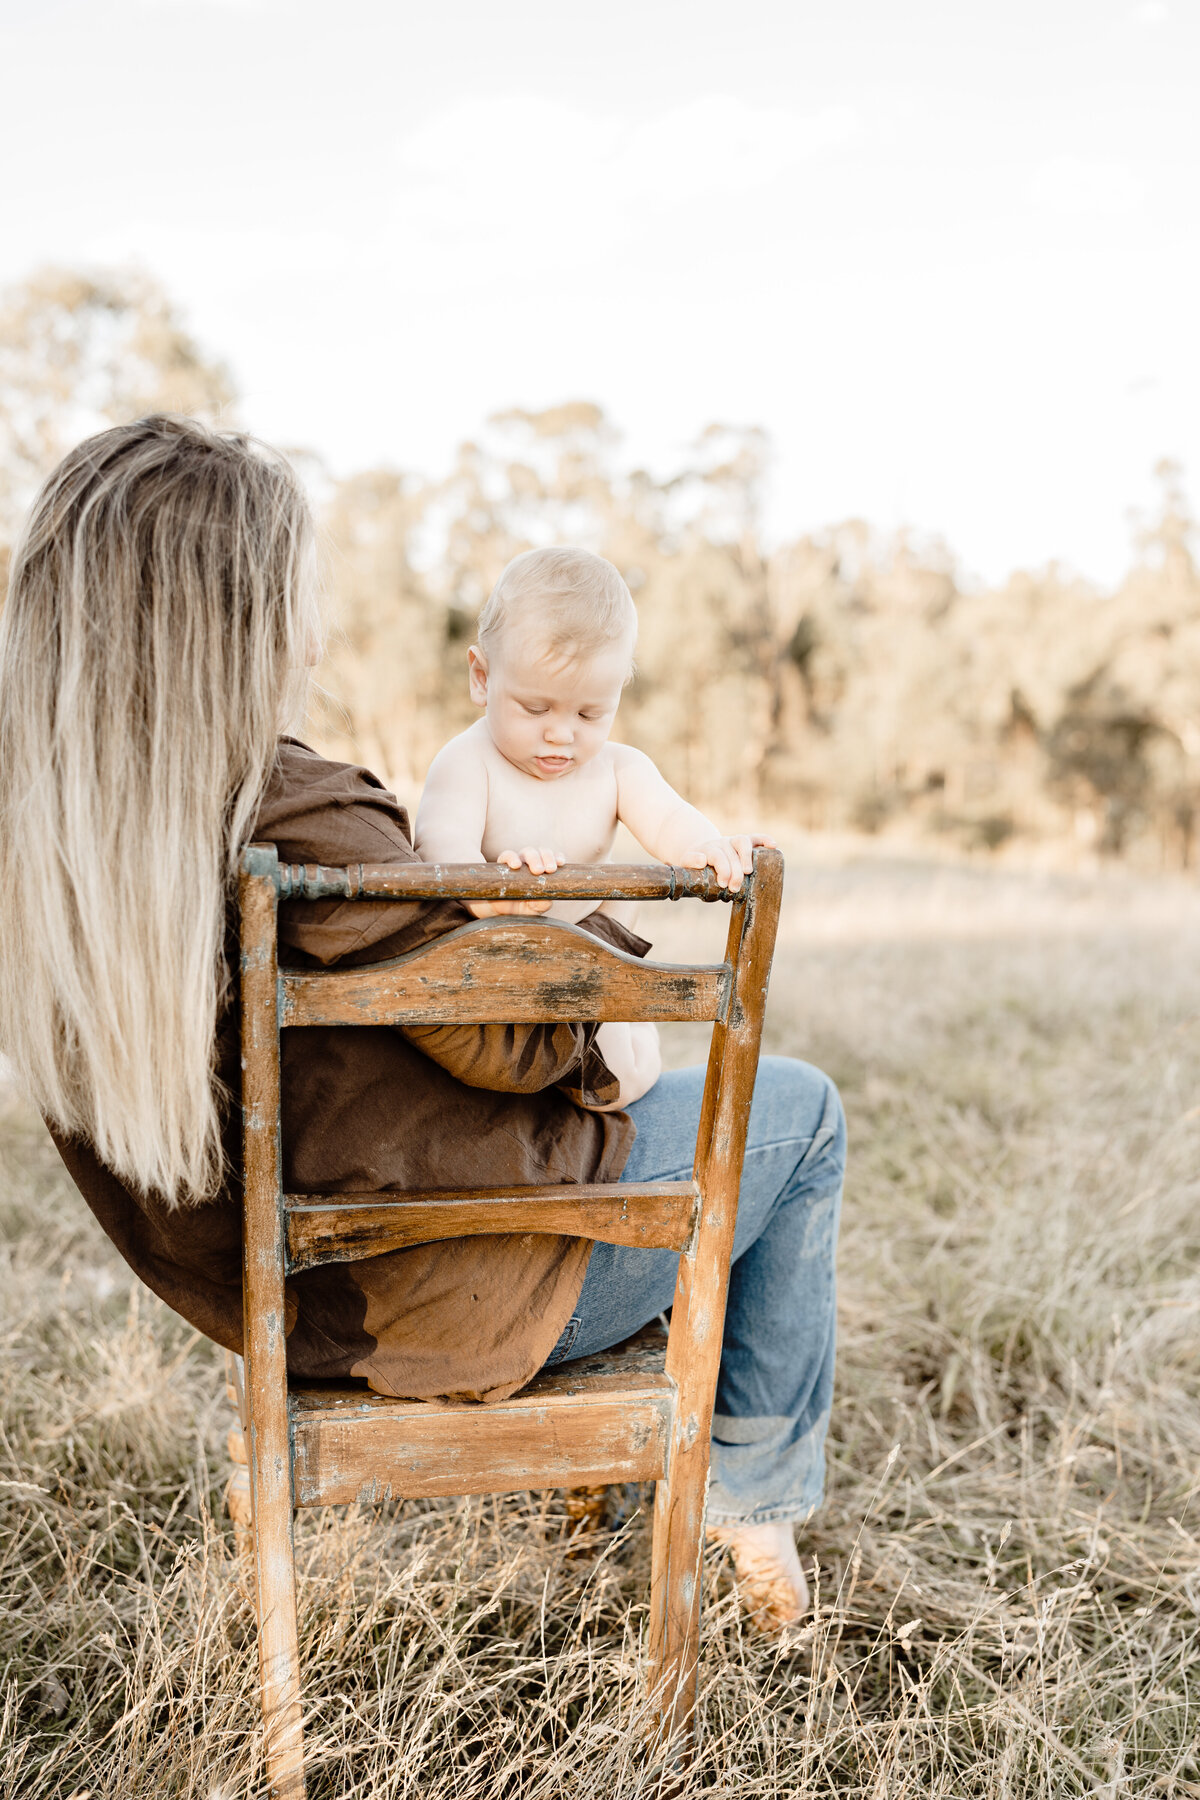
(578,602)
(161,603)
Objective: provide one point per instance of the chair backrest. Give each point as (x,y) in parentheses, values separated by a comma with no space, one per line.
(507,969)
(504,969)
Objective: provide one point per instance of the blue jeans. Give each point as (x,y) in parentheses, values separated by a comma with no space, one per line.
(775,1387)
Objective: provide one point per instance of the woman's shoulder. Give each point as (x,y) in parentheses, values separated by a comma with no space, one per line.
(318,810)
(299,768)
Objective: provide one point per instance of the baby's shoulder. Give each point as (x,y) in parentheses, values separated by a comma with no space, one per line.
(466,751)
(628,761)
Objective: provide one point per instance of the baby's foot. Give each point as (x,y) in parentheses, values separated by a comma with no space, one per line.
(770,1580)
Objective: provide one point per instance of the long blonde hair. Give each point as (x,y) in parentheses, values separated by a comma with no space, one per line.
(154,644)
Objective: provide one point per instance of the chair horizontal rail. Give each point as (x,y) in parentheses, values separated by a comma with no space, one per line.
(502,971)
(657,1215)
(557,1433)
(488,881)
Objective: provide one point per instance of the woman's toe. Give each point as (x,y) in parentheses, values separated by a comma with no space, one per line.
(771,1583)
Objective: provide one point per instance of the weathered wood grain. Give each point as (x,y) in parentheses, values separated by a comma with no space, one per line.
(618,1417)
(503,971)
(491,881)
(650,1216)
(698,1311)
(268,1437)
(364,1447)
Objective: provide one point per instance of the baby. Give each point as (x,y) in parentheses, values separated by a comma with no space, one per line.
(536,782)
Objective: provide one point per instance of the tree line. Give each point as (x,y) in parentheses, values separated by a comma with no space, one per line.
(848,679)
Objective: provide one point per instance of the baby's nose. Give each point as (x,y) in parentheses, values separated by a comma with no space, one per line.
(559,733)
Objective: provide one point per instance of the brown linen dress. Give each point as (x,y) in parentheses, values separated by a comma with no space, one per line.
(369,1108)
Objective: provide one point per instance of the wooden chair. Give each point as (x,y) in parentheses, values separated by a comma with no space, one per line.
(587,1422)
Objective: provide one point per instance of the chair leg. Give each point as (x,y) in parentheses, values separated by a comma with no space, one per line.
(278,1645)
(264,1258)
(675,1584)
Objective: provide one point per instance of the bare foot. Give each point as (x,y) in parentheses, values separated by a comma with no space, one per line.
(769,1577)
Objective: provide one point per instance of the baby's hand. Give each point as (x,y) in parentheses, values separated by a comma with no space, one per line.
(538,862)
(731,857)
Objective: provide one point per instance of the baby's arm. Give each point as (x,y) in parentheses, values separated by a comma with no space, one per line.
(453,809)
(452,817)
(632,1053)
(664,824)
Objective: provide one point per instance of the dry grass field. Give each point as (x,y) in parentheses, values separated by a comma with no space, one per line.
(1009,1560)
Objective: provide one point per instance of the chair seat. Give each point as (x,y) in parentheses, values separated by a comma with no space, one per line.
(604,1418)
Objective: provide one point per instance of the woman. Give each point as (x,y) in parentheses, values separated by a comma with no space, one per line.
(155,648)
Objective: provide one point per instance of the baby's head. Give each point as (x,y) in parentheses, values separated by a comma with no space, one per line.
(555,649)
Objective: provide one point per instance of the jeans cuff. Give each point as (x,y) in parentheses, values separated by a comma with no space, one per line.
(765,1515)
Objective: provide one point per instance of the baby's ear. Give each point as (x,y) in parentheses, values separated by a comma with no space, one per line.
(477,674)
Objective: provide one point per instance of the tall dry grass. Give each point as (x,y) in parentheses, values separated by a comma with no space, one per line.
(1010,1555)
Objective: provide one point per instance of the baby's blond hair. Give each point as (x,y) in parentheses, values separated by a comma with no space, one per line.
(579,602)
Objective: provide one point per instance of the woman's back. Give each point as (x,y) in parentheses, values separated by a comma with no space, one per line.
(156,642)
(151,650)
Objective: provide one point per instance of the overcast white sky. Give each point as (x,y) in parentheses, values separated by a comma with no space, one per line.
(946,252)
